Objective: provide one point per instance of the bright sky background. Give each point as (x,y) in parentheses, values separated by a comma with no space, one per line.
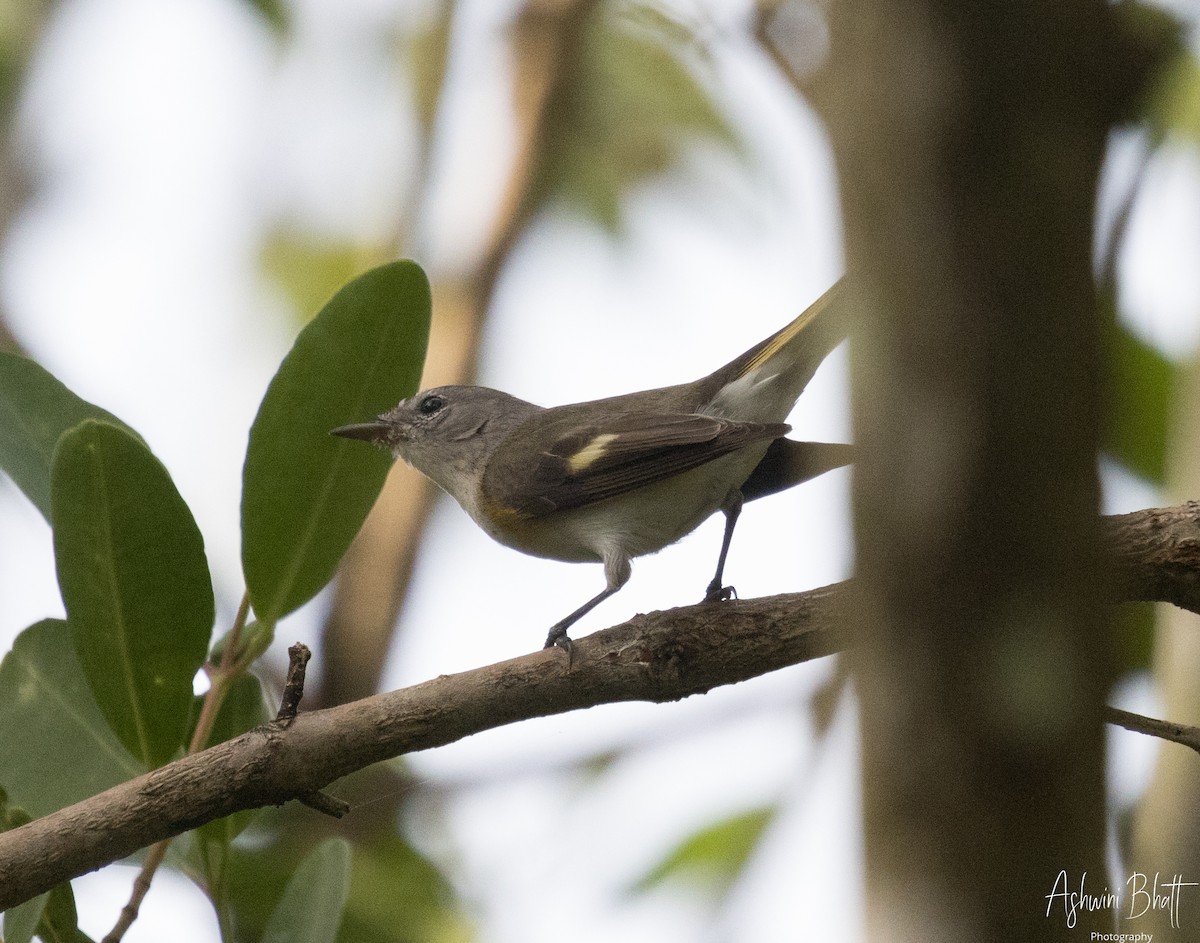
(167,135)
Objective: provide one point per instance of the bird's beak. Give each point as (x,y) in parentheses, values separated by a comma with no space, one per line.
(376,431)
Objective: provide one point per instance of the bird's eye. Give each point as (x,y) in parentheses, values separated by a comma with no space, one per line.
(430,404)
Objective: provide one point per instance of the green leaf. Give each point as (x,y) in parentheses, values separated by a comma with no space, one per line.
(1143,383)
(21,922)
(254,638)
(60,921)
(58,749)
(52,916)
(305,493)
(1176,106)
(35,409)
(713,857)
(254,871)
(11,815)
(311,907)
(135,583)
(398,896)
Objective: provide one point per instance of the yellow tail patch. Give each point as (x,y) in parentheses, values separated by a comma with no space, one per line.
(788,334)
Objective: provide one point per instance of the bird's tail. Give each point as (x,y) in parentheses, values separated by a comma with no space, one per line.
(808,340)
(772,374)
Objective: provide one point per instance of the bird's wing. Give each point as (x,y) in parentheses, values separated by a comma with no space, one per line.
(581,463)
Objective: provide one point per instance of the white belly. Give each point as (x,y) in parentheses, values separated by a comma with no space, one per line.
(640,522)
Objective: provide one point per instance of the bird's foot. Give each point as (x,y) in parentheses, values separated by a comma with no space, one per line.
(718,593)
(558,637)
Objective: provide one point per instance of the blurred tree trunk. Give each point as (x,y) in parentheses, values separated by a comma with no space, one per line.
(373,580)
(969,139)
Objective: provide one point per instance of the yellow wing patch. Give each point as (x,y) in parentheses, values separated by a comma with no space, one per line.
(590,453)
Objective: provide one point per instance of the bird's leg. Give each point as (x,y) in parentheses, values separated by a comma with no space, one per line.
(616,573)
(731,509)
(558,631)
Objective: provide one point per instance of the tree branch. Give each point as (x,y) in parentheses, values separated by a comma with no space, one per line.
(1183,734)
(1157,555)
(661,656)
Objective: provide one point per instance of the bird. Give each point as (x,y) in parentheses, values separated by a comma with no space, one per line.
(613,479)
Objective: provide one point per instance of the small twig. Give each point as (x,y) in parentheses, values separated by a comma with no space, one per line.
(289,706)
(204,724)
(326,804)
(293,688)
(1183,734)
(219,681)
(141,886)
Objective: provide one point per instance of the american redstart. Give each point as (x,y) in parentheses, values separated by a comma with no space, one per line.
(612,479)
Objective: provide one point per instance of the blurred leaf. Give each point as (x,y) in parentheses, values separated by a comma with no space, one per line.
(58,749)
(309,269)
(636,106)
(713,857)
(21,922)
(1133,636)
(274,14)
(60,920)
(428,55)
(35,409)
(398,896)
(1176,103)
(311,907)
(254,639)
(11,815)
(135,583)
(306,493)
(51,916)
(21,25)
(257,867)
(1143,384)
(1152,41)
(246,890)
(825,698)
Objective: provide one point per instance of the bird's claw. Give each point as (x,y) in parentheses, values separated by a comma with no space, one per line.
(718,593)
(558,638)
